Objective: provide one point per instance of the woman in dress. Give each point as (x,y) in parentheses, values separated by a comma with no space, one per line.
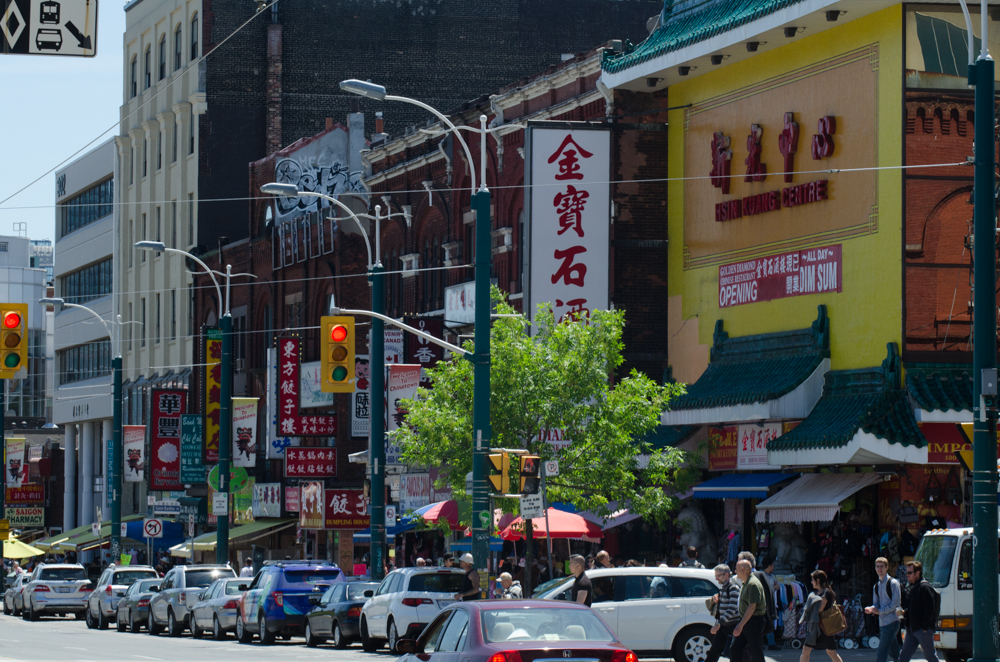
(821,597)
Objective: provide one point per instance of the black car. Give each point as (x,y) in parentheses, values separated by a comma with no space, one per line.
(336,613)
(133,604)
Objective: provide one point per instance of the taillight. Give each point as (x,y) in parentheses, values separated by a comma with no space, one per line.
(414,602)
(509,656)
(279,598)
(84,589)
(41,589)
(354,612)
(624,656)
(184,598)
(107,591)
(143,603)
(230,605)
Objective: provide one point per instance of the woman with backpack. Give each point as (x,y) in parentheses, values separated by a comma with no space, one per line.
(821,597)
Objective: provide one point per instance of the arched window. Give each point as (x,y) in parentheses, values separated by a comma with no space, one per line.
(178,47)
(194,37)
(134,78)
(149,67)
(163,57)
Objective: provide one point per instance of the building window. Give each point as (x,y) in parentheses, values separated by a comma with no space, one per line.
(142,254)
(129,326)
(145,156)
(178,47)
(191,237)
(156,338)
(163,57)
(159,150)
(173,314)
(173,224)
(194,38)
(159,235)
(191,131)
(173,158)
(131,244)
(134,77)
(142,334)
(149,67)
(85,284)
(520,250)
(131,165)
(85,362)
(87,206)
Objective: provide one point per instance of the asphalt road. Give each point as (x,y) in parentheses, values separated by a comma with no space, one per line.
(69,640)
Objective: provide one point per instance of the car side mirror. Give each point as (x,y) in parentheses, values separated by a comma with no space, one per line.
(314,599)
(369,593)
(406,646)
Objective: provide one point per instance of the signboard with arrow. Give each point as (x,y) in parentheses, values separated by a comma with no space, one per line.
(49,27)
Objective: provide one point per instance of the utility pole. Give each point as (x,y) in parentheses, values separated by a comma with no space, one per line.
(116,460)
(377,418)
(984,361)
(225,425)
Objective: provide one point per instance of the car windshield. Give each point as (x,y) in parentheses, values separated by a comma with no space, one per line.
(438,582)
(203,578)
(62,574)
(311,576)
(129,577)
(357,591)
(937,553)
(542,624)
(236,588)
(147,585)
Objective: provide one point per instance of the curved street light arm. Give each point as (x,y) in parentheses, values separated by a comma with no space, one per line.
(440,116)
(464,353)
(107,329)
(340,204)
(218,290)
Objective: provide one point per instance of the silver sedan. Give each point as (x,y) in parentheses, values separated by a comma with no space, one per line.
(216,613)
(11,596)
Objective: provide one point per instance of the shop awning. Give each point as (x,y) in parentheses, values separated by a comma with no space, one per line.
(406,524)
(863,418)
(739,486)
(942,391)
(760,377)
(70,537)
(246,532)
(814,497)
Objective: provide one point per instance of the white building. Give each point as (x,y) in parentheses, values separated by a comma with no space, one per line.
(84,275)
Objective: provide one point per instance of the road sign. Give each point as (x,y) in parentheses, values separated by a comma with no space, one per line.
(190,526)
(150,500)
(167,507)
(124,530)
(4,529)
(532,506)
(220,503)
(390,515)
(49,27)
(95,529)
(152,527)
(551,468)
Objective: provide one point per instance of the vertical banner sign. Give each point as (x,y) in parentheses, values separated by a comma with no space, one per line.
(165,439)
(346,509)
(213,393)
(361,399)
(192,441)
(751,451)
(276,444)
(570,214)
(401,384)
(722,444)
(292,498)
(244,432)
(109,465)
(289,421)
(267,500)
(311,511)
(423,352)
(16,468)
(394,346)
(134,443)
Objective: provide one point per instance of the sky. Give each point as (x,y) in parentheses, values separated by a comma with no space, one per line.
(51,107)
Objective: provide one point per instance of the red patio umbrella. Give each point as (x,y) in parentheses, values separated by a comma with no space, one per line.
(563,525)
(445,510)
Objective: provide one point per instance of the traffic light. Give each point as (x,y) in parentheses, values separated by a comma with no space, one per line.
(337,355)
(13,338)
(500,462)
(531,466)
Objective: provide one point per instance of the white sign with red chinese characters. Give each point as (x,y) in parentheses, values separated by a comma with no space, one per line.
(751,445)
(570,216)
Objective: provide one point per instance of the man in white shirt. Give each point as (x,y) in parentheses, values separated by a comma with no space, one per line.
(247,569)
(886,596)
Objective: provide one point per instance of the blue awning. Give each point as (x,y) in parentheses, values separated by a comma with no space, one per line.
(740,486)
(406,524)
(496,545)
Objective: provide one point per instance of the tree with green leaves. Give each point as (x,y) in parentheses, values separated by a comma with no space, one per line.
(556,381)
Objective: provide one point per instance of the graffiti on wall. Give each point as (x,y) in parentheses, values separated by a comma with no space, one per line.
(319,167)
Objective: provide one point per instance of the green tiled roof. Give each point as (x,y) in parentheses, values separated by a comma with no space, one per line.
(687,22)
(668,436)
(757,368)
(868,399)
(940,386)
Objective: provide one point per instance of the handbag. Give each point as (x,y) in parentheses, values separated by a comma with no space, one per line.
(908,514)
(953,491)
(934,490)
(832,621)
(713,607)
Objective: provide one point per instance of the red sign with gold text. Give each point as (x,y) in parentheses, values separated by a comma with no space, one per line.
(346,509)
(943,441)
(809,271)
(27,493)
(722,448)
(213,393)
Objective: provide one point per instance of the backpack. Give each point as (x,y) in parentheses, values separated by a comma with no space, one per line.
(937,598)
(888,590)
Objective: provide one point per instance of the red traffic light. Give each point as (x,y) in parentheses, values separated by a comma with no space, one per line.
(11,320)
(338,333)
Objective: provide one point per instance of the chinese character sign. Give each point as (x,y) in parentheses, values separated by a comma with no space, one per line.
(570,207)
(346,509)
(311,506)
(810,271)
(276,443)
(267,500)
(15,468)
(292,496)
(213,393)
(751,445)
(289,421)
(361,399)
(165,439)
(422,351)
(192,438)
(244,432)
(134,443)
(310,462)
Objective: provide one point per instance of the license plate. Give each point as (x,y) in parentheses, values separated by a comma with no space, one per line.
(63,589)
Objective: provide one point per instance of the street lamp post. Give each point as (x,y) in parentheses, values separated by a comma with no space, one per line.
(114,481)
(482,430)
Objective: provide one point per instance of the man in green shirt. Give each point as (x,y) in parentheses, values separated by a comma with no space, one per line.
(748,635)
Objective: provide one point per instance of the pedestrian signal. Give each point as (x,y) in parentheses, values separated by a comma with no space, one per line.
(13,338)
(531,466)
(500,462)
(337,355)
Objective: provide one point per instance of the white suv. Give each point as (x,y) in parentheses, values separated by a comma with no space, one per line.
(56,588)
(405,602)
(659,611)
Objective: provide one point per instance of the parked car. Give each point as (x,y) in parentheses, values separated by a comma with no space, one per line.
(132,610)
(181,590)
(14,585)
(336,614)
(653,611)
(278,600)
(56,588)
(216,613)
(405,602)
(102,605)
(522,630)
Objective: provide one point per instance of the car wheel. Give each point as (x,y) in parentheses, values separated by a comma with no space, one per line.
(174,629)
(6,609)
(196,631)
(266,637)
(693,645)
(132,625)
(393,636)
(120,625)
(91,623)
(32,614)
(242,634)
(368,644)
(217,632)
(311,641)
(151,626)
(338,637)
(102,620)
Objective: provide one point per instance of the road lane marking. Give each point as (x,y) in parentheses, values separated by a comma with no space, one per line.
(148,658)
(74,648)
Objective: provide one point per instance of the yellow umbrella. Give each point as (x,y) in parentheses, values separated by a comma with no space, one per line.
(15,549)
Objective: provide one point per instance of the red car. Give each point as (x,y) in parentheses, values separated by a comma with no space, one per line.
(515,631)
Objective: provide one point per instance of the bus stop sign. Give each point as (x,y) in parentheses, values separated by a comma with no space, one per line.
(49,27)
